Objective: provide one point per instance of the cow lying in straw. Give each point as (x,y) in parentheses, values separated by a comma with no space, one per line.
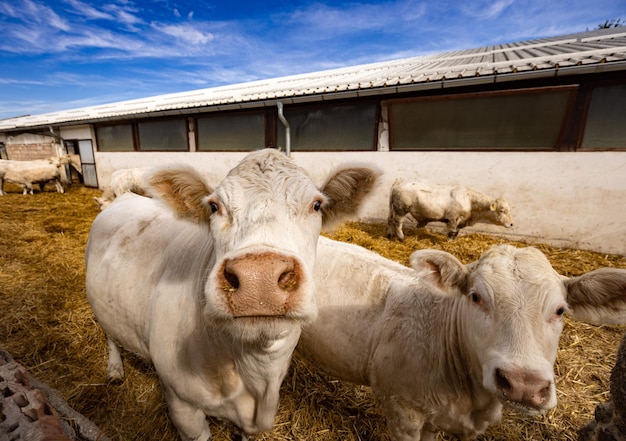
(445,345)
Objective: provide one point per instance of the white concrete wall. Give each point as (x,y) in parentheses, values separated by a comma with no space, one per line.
(575,200)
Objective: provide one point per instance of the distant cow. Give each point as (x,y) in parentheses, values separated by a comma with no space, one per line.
(123,181)
(4,167)
(445,346)
(213,286)
(28,173)
(455,205)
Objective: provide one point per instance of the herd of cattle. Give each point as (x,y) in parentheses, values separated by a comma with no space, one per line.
(28,173)
(444,346)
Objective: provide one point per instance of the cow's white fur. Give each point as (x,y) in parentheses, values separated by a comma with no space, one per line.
(38,171)
(123,181)
(455,205)
(439,344)
(160,282)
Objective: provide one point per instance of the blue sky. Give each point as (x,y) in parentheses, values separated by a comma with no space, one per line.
(65,54)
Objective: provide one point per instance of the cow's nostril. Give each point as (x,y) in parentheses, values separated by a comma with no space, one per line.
(288,280)
(232,281)
(503,384)
(543,394)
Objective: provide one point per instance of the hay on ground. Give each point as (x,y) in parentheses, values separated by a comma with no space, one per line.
(47,325)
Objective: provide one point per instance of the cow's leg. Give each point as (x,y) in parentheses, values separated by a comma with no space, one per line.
(1,187)
(399,223)
(392,224)
(188,419)
(59,187)
(115,368)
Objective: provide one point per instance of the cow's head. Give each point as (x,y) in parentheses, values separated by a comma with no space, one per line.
(512,304)
(264,220)
(58,161)
(500,213)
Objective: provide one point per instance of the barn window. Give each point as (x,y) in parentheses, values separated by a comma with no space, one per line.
(163,135)
(244,131)
(606,123)
(118,138)
(521,119)
(336,127)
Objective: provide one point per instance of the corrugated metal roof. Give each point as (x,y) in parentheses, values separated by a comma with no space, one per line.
(587,52)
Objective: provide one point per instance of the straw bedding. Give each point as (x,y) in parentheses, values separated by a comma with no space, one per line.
(47,325)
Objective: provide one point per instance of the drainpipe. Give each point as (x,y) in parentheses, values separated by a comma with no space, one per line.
(283,120)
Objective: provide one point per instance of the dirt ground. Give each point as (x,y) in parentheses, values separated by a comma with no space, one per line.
(47,325)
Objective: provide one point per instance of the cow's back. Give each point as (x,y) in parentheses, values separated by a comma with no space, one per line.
(134,248)
(353,289)
(128,180)
(433,202)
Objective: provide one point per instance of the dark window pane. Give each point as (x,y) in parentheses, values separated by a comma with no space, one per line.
(167,135)
(606,120)
(487,121)
(351,127)
(231,132)
(115,138)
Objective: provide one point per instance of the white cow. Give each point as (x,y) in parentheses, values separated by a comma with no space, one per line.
(445,346)
(213,286)
(5,165)
(455,205)
(123,181)
(28,173)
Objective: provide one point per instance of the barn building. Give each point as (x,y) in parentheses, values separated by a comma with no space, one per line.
(540,122)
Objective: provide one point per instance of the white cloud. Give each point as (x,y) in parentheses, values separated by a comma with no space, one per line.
(186,33)
(89,11)
(34,13)
(352,17)
(487,10)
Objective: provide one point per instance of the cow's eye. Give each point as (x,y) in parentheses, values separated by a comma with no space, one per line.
(475,297)
(317,205)
(214,207)
(560,311)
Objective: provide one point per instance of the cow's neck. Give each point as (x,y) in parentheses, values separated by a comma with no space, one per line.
(249,374)
(460,370)
(447,360)
(480,202)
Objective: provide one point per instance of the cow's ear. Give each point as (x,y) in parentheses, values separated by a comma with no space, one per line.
(598,297)
(183,189)
(493,206)
(345,191)
(441,269)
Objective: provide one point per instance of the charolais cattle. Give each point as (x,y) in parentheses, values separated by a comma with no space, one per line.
(27,173)
(455,205)
(213,285)
(445,345)
(123,181)
(5,165)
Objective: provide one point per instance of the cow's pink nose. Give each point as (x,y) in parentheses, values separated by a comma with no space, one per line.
(521,386)
(260,284)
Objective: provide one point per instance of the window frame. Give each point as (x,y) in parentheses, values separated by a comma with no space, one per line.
(218,114)
(312,107)
(134,124)
(585,105)
(573,90)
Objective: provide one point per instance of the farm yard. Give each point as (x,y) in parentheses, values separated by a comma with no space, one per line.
(47,325)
